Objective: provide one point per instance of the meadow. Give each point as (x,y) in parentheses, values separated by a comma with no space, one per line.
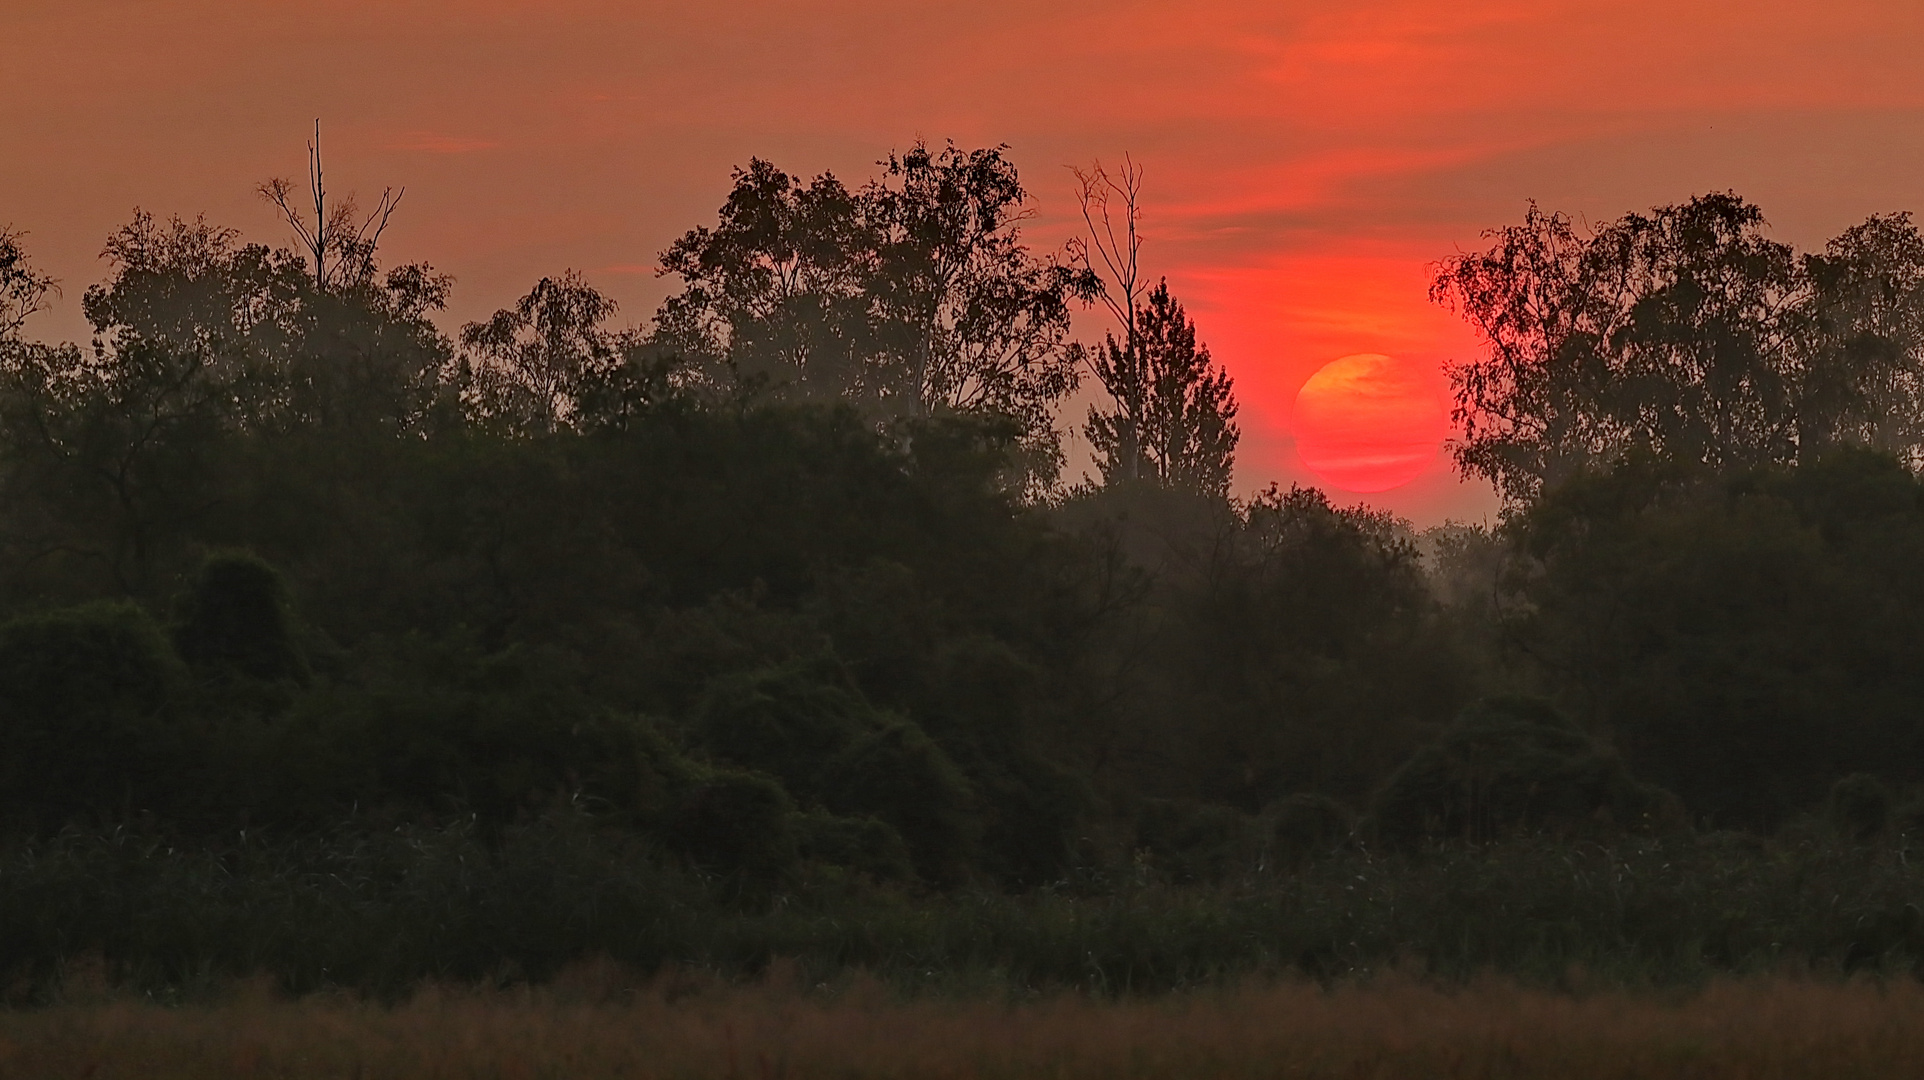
(593,1023)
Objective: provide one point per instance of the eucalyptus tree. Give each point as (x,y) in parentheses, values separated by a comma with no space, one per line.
(912,296)
(1684,335)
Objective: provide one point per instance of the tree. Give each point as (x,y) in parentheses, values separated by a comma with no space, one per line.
(1175,417)
(1173,414)
(342,250)
(1683,335)
(203,346)
(526,368)
(912,296)
(1745,638)
(1118,368)
(1861,341)
(23,290)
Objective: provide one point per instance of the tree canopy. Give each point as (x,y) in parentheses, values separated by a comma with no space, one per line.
(1686,335)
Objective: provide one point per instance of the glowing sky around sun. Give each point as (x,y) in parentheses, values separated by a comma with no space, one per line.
(1305,161)
(1370,423)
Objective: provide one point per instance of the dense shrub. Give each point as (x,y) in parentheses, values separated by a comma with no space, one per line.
(1189,842)
(1861,807)
(862,844)
(738,826)
(1510,766)
(788,721)
(1303,827)
(84,727)
(900,776)
(235,619)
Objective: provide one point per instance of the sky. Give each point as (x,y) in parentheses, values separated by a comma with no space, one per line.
(1306,164)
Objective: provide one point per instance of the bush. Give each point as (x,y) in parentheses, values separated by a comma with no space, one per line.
(1509,766)
(862,844)
(442,726)
(235,620)
(1191,842)
(1860,807)
(83,725)
(1303,827)
(737,826)
(786,721)
(900,776)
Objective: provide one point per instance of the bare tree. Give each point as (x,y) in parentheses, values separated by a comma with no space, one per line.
(342,250)
(1117,252)
(1116,246)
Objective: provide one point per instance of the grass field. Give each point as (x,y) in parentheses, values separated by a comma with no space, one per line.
(588,1025)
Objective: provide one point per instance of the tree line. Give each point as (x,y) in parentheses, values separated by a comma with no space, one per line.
(787,582)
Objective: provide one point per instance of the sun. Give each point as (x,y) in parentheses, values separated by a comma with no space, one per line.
(1370,422)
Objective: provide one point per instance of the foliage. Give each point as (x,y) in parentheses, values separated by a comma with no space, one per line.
(527,367)
(1747,639)
(1511,766)
(1684,335)
(377,909)
(83,730)
(23,290)
(572,640)
(911,296)
(1174,418)
(236,619)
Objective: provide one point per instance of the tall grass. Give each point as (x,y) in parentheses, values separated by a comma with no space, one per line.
(380,910)
(1395,1028)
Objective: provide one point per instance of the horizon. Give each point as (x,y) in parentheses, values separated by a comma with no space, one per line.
(1296,216)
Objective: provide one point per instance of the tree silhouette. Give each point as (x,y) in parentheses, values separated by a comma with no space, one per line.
(911,296)
(1684,335)
(1117,247)
(525,367)
(1175,417)
(340,241)
(23,290)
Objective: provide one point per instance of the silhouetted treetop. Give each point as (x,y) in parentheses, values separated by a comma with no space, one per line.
(1684,334)
(1174,408)
(23,290)
(525,367)
(911,295)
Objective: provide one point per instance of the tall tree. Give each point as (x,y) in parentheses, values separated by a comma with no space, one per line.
(912,296)
(526,367)
(340,242)
(1172,414)
(1111,256)
(1861,342)
(1174,422)
(1683,335)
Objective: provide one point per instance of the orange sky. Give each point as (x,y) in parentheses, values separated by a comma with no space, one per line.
(1306,161)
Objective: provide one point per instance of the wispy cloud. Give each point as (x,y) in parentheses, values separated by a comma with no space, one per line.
(435,142)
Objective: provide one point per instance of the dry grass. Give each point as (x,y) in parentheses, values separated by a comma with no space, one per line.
(587,1027)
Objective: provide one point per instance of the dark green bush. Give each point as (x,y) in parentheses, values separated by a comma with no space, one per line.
(1303,827)
(1509,766)
(1861,807)
(788,721)
(863,844)
(737,826)
(443,727)
(1190,842)
(899,775)
(84,728)
(235,620)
